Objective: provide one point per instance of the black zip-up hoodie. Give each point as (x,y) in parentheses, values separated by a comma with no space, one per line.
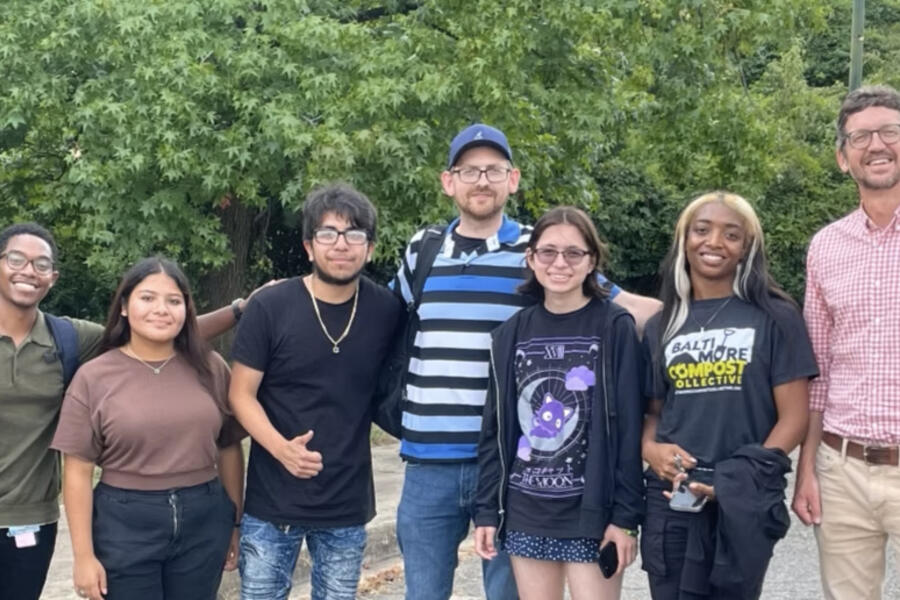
(613,491)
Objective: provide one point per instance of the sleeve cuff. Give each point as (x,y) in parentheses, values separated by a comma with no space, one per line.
(818,396)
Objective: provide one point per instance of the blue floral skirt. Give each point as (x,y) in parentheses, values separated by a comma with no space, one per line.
(579,550)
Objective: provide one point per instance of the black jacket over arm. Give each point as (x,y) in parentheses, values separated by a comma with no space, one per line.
(752,515)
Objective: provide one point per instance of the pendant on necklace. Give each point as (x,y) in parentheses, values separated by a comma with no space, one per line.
(156,370)
(335,350)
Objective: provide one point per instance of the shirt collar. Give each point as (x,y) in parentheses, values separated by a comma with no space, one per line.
(40,333)
(869,227)
(508,233)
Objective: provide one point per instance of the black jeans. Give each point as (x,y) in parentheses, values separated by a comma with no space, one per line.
(163,545)
(677,550)
(24,570)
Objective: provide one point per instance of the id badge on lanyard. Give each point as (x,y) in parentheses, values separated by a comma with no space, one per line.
(25,535)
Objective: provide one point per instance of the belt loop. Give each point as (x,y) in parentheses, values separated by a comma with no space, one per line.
(844,442)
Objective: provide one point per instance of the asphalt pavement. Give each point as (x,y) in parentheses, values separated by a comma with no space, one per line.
(793,573)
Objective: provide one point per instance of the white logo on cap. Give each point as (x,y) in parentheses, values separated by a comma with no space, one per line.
(478,136)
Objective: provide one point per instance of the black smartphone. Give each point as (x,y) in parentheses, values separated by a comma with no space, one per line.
(609,559)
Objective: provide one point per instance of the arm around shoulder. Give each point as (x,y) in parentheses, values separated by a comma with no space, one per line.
(640,307)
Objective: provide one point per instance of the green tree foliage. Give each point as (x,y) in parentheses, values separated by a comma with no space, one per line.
(196,128)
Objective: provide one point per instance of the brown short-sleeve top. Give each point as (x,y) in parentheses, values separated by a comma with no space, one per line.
(147,431)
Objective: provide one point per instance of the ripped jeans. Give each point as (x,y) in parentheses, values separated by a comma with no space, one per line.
(269,554)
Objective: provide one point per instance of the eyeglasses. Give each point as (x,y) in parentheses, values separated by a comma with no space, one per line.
(18,261)
(329,236)
(861,138)
(494,173)
(572,256)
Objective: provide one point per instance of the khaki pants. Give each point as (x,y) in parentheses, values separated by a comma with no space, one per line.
(860,512)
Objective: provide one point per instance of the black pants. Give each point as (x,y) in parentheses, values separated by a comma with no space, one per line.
(163,545)
(677,550)
(24,570)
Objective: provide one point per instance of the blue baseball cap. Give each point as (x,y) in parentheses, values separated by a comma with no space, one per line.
(478,134)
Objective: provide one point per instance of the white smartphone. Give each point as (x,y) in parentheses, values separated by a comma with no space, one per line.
(684,500)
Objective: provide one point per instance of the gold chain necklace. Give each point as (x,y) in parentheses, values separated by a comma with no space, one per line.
(334,342)
(156,370)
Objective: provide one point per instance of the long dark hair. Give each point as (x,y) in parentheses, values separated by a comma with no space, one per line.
(188,342)
(752,281)
(577,218)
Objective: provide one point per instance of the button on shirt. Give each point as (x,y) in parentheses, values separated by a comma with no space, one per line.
(852,310)
(31,390)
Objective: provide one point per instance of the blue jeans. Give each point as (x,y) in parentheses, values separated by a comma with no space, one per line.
(269,554)
(437,504)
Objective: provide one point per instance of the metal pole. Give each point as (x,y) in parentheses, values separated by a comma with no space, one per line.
(857,27)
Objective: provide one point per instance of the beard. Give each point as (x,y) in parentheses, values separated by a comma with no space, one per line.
(884,182)
(481,212)
(330,279)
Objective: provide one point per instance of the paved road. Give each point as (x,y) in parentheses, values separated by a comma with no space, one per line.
(792,575)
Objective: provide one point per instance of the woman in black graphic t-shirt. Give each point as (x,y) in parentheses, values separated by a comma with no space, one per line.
(731,363)
(559,453)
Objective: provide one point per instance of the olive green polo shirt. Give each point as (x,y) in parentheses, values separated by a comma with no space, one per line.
(31,392)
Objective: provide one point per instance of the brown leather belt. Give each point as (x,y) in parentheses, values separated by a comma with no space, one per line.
(871,455)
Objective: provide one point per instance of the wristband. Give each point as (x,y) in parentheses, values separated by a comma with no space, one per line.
(236,309)
(237,523)
(630,532)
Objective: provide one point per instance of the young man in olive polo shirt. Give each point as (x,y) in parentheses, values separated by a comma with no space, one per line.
(31,391)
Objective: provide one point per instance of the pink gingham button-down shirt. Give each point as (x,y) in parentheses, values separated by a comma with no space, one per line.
(852,311)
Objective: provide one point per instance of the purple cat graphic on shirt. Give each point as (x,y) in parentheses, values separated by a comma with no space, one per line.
(547,423)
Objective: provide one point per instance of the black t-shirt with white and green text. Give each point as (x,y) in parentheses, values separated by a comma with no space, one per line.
(717,373)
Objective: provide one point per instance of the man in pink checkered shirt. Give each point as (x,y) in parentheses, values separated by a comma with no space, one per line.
(848,479)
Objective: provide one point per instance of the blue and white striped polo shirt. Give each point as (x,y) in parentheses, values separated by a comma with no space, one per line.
(466,296)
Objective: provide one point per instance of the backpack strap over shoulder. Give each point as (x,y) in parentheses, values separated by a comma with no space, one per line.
(391,392)
(66,338)
(429,247)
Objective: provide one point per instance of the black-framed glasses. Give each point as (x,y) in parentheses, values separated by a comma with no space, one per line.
(494,173)
(329,236)
(861,138)
(572,256)
(18,261)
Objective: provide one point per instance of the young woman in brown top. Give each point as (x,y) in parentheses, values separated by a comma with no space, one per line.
(151,412)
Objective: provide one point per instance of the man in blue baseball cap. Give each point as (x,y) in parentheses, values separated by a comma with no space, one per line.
(469,288)
(476,150)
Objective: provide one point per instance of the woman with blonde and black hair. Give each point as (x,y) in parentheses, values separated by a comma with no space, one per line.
(731,364)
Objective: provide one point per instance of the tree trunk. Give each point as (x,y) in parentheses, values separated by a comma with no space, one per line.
(242,224)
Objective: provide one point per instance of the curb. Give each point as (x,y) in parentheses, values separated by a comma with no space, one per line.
(381,545)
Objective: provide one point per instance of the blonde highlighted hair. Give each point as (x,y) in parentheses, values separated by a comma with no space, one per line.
(751,283)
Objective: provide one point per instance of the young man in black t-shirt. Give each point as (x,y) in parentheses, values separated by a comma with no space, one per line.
(306,361)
